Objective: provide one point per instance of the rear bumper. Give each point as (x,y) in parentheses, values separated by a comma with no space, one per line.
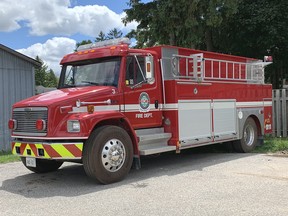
(51,150)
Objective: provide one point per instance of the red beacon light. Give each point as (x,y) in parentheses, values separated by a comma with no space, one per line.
(12,124)
(40,124)
(268,59)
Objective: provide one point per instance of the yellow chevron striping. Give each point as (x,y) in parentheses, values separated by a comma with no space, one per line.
(40,146)
(79,146)
(25,151)
(17,144)
(62,150)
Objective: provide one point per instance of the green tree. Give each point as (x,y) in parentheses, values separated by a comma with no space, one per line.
(114,33)
(44,76)
(259,28)
(101,37)
(51,79)
(40,72)
(188,23)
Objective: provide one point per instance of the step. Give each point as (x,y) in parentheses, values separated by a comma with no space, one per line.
(155,149)
(153,140)
(149,131)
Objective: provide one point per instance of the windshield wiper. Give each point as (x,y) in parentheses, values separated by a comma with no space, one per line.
(89,82)
(68,86)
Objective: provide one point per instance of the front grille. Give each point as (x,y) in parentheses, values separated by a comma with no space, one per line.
(26,120)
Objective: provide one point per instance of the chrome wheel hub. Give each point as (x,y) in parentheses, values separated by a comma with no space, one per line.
(113,155)
(249,135)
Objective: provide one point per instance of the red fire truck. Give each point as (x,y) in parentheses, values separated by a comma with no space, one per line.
(115,104)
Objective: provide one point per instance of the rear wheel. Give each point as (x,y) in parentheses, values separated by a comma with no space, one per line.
(108,154)
(248,141)
(43,166)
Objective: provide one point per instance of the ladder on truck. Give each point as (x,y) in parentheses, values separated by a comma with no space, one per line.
(198,68)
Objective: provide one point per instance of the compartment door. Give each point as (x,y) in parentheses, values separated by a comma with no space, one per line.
(224,119)
(195,121)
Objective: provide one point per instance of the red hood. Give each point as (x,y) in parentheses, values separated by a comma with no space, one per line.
(66,96)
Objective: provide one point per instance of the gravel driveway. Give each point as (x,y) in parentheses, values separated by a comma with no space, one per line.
(172,184)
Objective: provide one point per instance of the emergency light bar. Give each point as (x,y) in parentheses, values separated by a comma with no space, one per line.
(111,42)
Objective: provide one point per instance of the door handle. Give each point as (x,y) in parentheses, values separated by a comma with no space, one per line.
(156,104)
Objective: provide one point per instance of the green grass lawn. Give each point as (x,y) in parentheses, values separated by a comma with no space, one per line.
(273,145)
(6,157)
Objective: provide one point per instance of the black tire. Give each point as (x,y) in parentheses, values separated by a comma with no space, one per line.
(249,138)
(43,166)
(108,154)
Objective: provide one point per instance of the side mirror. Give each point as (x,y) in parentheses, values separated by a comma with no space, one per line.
(149,66)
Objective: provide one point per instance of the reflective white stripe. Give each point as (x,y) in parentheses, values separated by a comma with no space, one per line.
(131,107)
(250,104)
(49,138)
(96,108)
(79,110)
(123,108)
(170,106)
(267,103)
(164,107)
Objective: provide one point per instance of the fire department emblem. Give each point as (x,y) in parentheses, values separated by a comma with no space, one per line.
(144,102)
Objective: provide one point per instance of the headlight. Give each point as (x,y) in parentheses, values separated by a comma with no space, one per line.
(73,126)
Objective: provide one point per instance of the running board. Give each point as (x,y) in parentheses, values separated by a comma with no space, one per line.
(155,149)
(153,141)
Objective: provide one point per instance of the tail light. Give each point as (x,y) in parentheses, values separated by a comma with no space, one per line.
(12,124)
(40,124)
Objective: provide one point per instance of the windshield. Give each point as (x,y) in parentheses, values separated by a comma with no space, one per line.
(100,72)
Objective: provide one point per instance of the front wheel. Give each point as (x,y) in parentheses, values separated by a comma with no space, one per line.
(248,141)
(43,166)
(108,154)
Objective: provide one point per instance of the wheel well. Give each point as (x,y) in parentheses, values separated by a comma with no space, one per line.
(257,122)
(123,124)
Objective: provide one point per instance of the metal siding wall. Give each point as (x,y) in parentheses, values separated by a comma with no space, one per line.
(280,112)
(16,83)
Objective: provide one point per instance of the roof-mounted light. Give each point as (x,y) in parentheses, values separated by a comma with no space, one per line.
(111,42)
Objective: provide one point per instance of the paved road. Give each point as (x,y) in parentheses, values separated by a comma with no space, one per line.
(186,184)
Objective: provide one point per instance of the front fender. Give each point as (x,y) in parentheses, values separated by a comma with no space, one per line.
(95,120)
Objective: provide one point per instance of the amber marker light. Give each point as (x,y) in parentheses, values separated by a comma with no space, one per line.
(90,109)
(148,66)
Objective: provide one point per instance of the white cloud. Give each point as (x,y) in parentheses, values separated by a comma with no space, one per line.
(51,52)
(59,18)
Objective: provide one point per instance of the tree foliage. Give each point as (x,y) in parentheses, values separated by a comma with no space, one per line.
(114,33)
(51,79)
(44,76)
(101,37)
(251,28)
(259,28)
(188,23)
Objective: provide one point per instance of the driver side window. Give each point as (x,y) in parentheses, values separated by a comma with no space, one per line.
(135,70)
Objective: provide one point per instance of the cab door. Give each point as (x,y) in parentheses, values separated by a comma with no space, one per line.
(142,92)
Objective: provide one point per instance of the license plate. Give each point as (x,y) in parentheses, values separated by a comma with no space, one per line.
(30,162)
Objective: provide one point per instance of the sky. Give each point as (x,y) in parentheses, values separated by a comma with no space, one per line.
(51,28)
